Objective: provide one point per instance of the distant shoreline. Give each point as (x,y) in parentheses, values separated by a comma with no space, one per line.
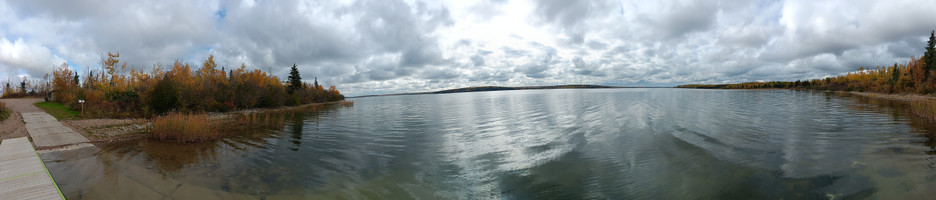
(500,88)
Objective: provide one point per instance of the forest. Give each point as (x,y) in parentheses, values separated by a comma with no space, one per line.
(116,91)
(917,76)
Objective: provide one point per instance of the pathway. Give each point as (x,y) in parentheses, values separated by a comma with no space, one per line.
(22,174)
(47,132)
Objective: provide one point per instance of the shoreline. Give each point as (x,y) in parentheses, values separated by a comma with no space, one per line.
(907,98)
(108,130)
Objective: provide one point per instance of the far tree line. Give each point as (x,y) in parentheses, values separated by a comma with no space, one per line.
(115,91)
(916,76)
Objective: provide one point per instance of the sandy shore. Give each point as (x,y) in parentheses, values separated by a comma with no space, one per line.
(896,97)
(108,130)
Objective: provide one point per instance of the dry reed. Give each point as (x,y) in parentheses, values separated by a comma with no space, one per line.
(346,103)
(183,128)
(925,109)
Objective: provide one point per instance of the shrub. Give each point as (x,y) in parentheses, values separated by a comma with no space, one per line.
(4,112)
(164,97)
(183,128)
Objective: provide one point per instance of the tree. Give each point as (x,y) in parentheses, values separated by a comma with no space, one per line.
(315,84)
(165,96)
(23,85)
(929,57)
(76,78)
(295,81)
(895,75)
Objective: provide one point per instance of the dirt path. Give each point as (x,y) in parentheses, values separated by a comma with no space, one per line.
(46,132)
(13,126)
(22,105)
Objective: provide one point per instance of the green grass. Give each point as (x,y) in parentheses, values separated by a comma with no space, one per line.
(58,110)
(4,114)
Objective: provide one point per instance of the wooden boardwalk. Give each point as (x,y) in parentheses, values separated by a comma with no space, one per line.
(22,174)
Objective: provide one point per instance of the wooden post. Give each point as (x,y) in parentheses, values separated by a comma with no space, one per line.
(82,106)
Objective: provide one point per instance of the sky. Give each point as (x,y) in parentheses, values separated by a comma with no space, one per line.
(392,46)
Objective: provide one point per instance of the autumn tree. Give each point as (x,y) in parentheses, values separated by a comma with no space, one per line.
(295,81)
(7,88)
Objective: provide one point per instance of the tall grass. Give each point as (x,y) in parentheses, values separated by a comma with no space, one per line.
(183,128)
(925,109)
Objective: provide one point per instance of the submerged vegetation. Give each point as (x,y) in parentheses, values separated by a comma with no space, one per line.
(201,127)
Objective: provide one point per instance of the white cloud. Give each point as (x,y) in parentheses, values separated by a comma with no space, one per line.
(22,58)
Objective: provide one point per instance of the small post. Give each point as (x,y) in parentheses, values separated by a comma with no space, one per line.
(81,101)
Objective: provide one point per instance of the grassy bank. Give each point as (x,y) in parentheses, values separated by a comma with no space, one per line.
(59,111)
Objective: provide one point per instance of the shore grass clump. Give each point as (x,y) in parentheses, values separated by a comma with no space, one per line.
(346,103)
(925,109)
(185,128)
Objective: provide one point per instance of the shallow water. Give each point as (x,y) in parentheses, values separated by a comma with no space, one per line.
(539,144)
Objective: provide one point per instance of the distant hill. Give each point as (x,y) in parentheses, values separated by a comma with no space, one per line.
(497,88)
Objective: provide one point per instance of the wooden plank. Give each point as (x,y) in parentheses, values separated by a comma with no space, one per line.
(22,174)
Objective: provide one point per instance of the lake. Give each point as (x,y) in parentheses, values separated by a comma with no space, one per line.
(634,143)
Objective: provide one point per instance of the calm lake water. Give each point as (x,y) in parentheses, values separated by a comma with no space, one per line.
(540,144)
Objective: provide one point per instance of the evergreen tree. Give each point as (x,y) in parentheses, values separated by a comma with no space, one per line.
(295,81)
(23,85)
(929,58)
(90,78)
(76,78)
(315,84)
(895,75)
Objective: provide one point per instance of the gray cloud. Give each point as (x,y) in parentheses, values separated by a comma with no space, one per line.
(371,46)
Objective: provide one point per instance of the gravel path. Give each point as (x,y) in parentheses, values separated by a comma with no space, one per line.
(22,105)
(13,127)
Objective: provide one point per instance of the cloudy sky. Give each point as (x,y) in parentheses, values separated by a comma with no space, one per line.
(389,46)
